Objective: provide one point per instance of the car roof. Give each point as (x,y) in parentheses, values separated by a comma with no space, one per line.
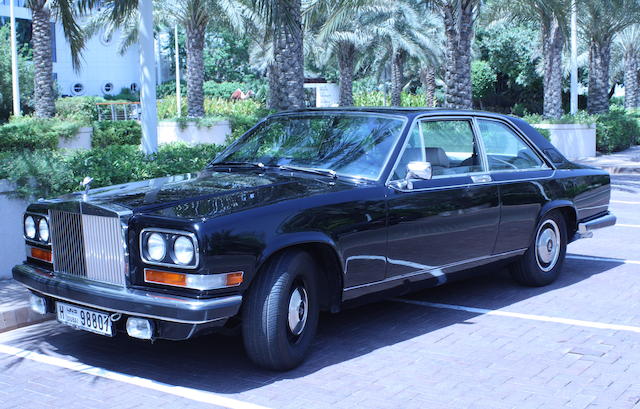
(412,112)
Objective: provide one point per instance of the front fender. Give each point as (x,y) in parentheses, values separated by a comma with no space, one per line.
(286,240)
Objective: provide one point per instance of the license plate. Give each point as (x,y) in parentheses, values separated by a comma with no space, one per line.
(84,318)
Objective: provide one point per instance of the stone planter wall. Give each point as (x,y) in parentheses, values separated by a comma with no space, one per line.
(82,140)
(574,141)
(192,134)
(11,237)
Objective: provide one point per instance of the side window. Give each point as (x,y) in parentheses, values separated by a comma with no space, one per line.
(505,150)
(449,145)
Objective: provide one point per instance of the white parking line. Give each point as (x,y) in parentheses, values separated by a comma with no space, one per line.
(607,259)
(531,317)
(625,202)
(637,226)
(188,393)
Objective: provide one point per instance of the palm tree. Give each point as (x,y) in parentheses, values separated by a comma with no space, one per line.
(600,21)
(194,15)
(552,18)
(66,12)
(428,81)
(283,20)
(629,43)
(458,17)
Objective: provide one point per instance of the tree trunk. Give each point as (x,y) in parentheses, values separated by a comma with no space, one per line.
(463,60)
(552,44)
(274,94)
(397,74)
(288,55)
(599,59)
(195,71)
(346,57)
(631,85)
(428,80)
(43,92)
(458,24)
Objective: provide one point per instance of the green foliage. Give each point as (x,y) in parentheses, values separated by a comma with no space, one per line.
(483,79)
(545,132)
(242,114)
(377,99)
(214,89)
(168,88)
(125,94)
(81,109)
(50,173)
(106,133)
(582,117)
(35,133)
(616,131)
(25,76)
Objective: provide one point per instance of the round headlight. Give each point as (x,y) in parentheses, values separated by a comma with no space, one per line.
(30,227)
(43,230)
(156,247)
(183,250)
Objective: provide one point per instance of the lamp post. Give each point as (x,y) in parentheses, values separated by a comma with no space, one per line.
(178,94)
(15,79)
(574,58)
(147,78)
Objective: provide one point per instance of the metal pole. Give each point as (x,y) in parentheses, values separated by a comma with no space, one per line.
(574,58)
(149,120)
(15,79)
(178,94)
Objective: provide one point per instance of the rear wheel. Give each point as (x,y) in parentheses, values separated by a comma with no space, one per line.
(542,262)
(280,315)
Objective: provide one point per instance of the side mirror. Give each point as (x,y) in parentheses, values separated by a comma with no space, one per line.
(418,170)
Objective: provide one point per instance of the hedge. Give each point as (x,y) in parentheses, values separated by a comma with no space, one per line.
(107,133)
(50,173)
(35,133)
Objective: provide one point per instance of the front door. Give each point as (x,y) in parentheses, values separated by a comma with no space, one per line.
(440,225)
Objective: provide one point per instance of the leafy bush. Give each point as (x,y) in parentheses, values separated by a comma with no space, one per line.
(107,133)
(35,133)
(377,99)
(81,109)
(25,75)
(483,79)
(616,131)
(582,117)
(50,173)
(125,94)
(168,88)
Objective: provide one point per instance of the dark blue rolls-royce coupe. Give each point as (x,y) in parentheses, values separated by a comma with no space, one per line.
(308,211)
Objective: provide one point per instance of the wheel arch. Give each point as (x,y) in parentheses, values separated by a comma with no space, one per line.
(568,211)
(326,254)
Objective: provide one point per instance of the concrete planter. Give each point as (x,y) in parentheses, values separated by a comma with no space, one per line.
(193,134)
(575,141)
(11,239)
(82,140)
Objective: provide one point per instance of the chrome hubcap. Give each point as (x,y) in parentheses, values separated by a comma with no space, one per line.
(298,310)
(548,245)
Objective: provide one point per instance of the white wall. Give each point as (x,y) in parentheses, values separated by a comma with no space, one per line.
(101,63)
(12,250)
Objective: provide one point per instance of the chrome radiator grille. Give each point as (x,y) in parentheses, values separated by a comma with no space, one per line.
(88,246)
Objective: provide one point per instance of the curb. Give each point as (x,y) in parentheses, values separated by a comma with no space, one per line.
(21,317)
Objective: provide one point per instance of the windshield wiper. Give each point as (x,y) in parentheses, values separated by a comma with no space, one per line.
(258,165)
(317,171)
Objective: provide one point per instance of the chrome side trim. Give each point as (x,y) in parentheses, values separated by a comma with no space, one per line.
(395,186)
(436,269)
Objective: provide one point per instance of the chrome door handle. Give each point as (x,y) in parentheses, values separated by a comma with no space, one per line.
(481,178)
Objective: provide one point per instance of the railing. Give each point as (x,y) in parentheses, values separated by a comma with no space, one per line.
(118,111)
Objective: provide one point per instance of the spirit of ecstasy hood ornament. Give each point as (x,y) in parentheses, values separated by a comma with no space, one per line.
(86,184)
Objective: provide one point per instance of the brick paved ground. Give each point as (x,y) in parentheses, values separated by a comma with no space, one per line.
(390,354)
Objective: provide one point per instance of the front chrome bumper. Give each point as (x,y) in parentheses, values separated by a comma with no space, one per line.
(586,228)
(128,301)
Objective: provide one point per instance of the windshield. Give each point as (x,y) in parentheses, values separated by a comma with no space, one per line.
(356,145)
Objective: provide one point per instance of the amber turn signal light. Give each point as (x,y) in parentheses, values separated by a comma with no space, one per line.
(234,279)
(40,254)
(165,277)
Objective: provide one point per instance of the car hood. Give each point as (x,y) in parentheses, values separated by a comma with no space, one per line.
(209,193)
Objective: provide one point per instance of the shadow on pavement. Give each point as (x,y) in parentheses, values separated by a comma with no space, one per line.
(218,363)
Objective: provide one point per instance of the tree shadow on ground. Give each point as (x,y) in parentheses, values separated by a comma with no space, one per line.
(218,363)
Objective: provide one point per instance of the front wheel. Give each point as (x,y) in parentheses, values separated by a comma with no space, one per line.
(281,312)
(542,262)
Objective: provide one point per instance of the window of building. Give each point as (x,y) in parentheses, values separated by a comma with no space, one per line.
(77,89)
(134,87)
(107,87)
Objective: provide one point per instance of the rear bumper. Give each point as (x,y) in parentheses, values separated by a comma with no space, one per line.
(128,301)
(586,228)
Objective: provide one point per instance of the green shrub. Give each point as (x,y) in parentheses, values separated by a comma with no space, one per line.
(125,94)
(616,131)
(50,173)
(35,133)
(81,109)
(168,88)
(107,133)
(377,99)
(582,117)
